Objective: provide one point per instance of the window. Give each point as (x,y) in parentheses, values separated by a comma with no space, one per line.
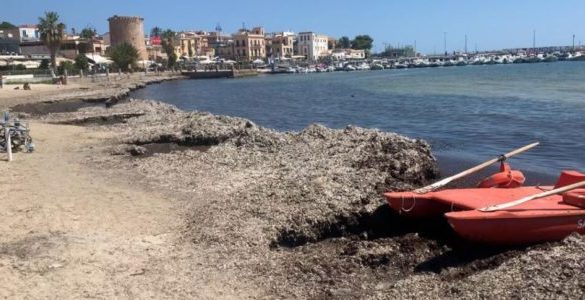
(237,43)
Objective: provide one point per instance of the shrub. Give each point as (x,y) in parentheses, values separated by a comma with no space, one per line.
(124,56)
(66,65)
(81,62)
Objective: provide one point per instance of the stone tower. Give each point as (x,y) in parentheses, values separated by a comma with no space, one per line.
(129,30)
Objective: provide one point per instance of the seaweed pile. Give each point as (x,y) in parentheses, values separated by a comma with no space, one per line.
(300,214)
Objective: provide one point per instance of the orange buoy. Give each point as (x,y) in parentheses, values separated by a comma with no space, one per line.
(506,178)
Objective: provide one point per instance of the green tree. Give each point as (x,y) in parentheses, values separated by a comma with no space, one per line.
(65,65)
(124,56)
(7,25)
(88,33)
(362,42)
(169,40)
(344,43)
(52,33)
(81,62)
(44,64)
(156,31)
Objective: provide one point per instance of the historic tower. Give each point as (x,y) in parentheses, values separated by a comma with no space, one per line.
(129,30)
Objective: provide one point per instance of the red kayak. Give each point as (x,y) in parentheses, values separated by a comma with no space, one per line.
(546,219)
(434,204)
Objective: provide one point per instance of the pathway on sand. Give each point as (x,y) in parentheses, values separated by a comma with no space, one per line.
(68,231)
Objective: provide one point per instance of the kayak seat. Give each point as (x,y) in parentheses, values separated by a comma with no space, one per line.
(569,177)
(575,198)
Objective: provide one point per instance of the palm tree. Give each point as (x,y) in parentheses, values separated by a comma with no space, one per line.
(52,33)
(169,38)
(88,33)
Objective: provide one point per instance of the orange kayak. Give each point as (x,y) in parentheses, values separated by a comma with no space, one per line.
(546,219)
(433,204)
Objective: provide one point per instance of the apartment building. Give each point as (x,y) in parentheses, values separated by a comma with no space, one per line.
(282,45)
(193,44)
(249,45)
(312,45)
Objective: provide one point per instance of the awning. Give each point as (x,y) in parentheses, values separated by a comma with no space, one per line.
(97,59)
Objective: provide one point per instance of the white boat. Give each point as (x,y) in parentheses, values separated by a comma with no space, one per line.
(349,68)
(376,67)
(363,67)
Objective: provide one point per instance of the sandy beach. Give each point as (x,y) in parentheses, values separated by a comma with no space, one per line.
(143,200)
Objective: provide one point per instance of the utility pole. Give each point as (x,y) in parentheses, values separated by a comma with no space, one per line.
(534,41)
(414,48)
(445,42)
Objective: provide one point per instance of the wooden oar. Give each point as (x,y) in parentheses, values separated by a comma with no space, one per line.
(560,190)
(445,181)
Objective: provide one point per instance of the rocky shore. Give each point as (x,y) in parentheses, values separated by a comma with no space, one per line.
(300,214)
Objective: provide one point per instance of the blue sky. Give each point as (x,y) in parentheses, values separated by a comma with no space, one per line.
(488,24)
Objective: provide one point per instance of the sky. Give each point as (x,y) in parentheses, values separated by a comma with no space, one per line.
(489,25)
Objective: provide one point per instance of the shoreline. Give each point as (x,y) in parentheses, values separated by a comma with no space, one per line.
(85,90)
(79,97)
(237,210)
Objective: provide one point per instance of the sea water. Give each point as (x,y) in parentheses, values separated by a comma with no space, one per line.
(469,114)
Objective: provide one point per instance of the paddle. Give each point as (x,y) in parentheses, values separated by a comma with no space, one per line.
(560,190)
(482,166)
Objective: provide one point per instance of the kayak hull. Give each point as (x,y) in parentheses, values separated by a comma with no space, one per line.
(516,229)
(435,204)
(416,205)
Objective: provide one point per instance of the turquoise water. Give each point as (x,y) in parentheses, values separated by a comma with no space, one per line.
(468,114)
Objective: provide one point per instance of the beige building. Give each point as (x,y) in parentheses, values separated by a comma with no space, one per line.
(128,30)
(283,45)
(192,44)
(249,44)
